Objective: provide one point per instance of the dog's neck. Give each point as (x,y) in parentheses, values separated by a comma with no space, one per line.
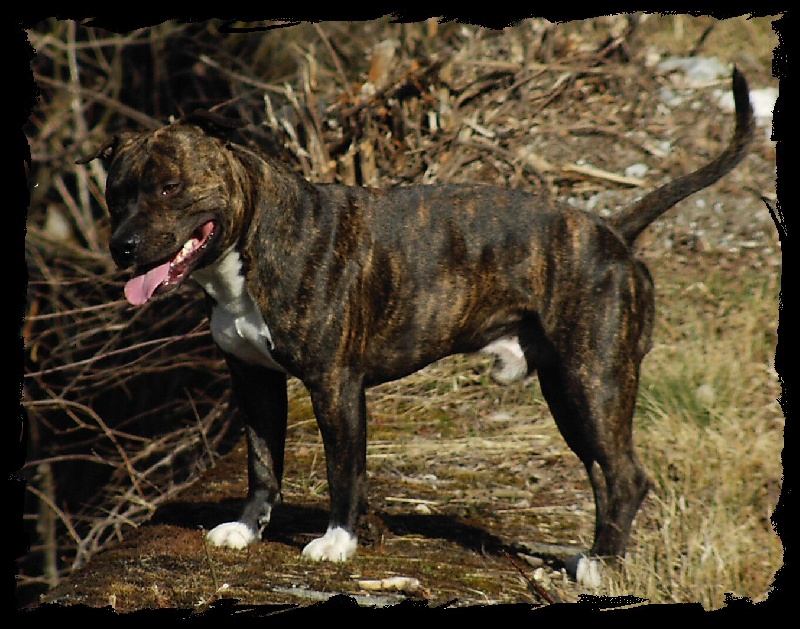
(279,190)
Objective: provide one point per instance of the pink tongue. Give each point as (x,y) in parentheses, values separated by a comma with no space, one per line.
(141,288)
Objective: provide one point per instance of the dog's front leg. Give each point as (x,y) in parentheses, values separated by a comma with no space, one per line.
(262,399)
(340,407)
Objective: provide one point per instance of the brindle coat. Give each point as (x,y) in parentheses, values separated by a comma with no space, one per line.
(347,287)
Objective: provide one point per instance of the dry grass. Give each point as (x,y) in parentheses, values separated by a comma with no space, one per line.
(710,431)
(448,106)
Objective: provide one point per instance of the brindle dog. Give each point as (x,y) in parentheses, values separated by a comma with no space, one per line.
(347,287)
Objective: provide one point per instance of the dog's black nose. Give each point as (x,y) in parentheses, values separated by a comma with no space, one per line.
(123,249)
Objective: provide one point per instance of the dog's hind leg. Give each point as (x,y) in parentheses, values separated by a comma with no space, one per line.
(590,382)
(262,399)
(595,421)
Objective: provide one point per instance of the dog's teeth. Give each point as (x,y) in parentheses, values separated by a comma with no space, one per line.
(187,248)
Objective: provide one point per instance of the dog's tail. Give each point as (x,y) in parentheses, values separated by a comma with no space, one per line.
(633,220)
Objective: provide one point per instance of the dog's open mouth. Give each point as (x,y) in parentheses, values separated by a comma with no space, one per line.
(170,274)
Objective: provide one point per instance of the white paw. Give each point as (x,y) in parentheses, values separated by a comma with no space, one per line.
(232,535)
(336,545)
(589,573)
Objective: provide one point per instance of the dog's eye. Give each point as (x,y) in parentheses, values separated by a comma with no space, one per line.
(170,188)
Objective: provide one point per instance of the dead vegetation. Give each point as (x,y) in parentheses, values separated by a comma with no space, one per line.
(125,408)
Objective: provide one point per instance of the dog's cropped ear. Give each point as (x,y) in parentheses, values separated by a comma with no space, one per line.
(213,124)
(105,152)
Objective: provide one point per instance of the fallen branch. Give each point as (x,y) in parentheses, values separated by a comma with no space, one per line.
(597,173)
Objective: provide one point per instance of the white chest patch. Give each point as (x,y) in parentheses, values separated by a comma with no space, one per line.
(237,325)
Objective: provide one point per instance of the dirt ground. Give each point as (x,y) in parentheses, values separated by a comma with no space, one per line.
(471,514)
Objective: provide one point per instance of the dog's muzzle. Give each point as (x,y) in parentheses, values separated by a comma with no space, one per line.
(162,274)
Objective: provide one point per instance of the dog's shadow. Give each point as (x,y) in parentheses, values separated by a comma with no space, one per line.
(444,527)
(294,524)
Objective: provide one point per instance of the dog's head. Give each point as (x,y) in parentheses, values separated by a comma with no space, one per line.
(169,193)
